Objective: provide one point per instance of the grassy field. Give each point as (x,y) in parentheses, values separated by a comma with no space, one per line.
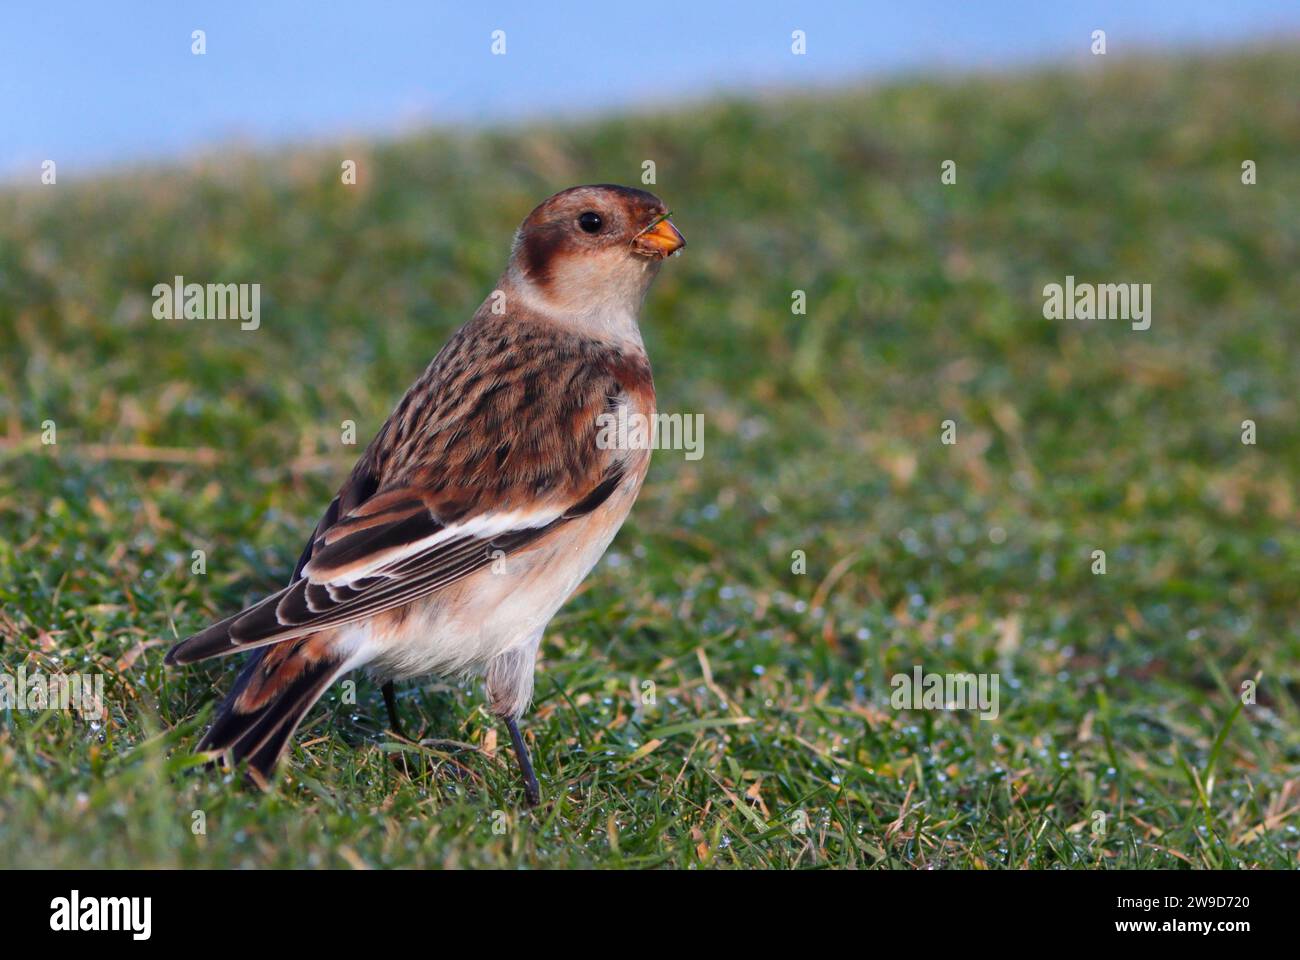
(770,741)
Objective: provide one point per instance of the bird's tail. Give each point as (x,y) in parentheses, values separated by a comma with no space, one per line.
(273,693)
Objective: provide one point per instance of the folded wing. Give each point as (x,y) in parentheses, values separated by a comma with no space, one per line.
(373,561)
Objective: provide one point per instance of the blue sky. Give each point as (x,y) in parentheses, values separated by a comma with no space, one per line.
(93,84)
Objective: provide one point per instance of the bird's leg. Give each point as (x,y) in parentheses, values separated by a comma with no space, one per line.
(531,792)
(390,701)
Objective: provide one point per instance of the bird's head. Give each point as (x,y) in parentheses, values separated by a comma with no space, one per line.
(593,249)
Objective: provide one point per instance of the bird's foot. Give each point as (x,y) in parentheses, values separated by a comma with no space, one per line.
(532,793)
(394,722)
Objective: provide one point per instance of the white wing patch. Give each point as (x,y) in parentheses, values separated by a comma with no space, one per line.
(482,527)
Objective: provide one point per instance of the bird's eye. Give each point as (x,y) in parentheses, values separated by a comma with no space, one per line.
(590,222)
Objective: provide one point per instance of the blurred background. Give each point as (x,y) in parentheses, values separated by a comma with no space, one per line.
(826,541)
(92,85)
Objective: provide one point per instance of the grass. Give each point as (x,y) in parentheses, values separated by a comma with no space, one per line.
(771,740)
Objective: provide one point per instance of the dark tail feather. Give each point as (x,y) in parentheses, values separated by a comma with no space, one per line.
(273,693)
(211,642)
(216,641)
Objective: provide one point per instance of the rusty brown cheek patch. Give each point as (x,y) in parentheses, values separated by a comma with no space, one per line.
(541,247)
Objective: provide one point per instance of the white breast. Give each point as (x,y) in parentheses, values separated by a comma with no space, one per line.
(503,606)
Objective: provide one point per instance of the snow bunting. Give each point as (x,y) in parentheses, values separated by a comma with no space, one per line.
(483,501)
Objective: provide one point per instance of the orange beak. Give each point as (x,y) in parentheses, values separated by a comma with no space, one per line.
(660,239)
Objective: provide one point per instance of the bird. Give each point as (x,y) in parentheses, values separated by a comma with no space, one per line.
(483,501)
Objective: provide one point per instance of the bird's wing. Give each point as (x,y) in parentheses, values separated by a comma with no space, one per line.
(468,497)
(370,562)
